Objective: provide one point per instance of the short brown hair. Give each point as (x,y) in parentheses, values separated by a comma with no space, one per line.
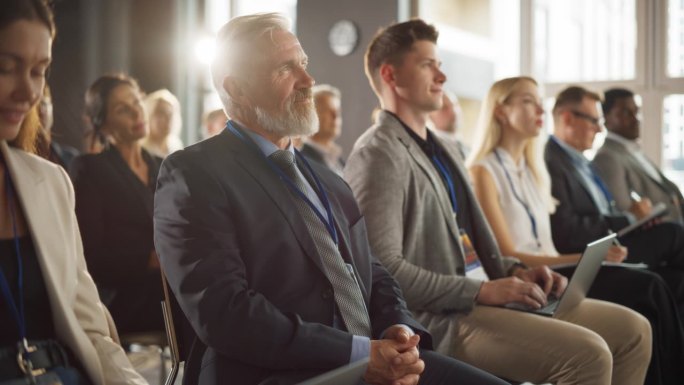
(391,43)
(572,96)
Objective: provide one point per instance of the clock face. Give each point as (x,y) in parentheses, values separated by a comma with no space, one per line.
(343,37)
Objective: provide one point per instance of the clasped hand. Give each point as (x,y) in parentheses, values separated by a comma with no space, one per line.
(395,359)
(526,286)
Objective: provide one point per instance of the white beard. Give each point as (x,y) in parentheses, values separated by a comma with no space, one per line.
(290,122)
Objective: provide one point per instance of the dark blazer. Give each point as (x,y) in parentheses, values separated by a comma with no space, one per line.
(246,272)
(312,153)
(114,210)
(577,220)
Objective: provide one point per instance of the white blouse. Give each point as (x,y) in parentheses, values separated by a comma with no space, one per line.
(521,203)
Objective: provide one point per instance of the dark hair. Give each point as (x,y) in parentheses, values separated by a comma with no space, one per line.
(39,10)
(391,43)
(97,98)
(12,11)
(573,96)
(612,95)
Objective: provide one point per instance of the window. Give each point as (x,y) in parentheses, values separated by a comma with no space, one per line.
(584,40)
(673,137)
(675,37)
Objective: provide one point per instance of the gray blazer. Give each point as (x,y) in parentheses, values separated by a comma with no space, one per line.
(412,228)
(622,173)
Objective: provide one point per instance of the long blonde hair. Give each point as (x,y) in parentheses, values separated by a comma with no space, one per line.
(489,133)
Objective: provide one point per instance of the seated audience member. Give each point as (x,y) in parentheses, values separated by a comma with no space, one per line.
(214,122)
(93,141)
(321,147)
(622,164)
(420,211)
(274,272)
(47,147)
(114,194)
(49,302)
(512,185)
(164,119)
(447,120)
(586,210)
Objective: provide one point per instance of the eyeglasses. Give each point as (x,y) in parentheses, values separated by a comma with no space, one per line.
(588,118)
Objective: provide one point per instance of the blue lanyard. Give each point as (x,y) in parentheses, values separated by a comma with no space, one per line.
(449,180)
(17,311)
(322,195)
(533,221)
(602,186)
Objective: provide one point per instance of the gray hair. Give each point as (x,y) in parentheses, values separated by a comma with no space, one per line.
(234,43)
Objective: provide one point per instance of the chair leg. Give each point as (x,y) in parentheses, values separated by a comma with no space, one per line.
(162,366)
(171,379)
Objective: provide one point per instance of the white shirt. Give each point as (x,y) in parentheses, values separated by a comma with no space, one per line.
(515,213)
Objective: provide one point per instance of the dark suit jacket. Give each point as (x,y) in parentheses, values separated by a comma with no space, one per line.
(114,211)
(246,272)
(313,154)
(577,220)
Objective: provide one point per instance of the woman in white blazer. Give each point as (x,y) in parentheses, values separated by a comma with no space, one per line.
(44,274)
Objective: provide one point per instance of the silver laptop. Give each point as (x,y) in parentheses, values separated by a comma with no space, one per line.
(346,375)
(580,283)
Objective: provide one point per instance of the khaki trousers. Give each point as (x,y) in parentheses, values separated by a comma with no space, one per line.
(595,343)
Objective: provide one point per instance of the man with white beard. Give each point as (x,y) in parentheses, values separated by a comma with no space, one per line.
(266,253)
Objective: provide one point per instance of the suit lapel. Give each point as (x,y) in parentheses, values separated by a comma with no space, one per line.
(254,163)
(569,166)
(341,224)
(636,165)
(144,194)
(430,172)
(40,212)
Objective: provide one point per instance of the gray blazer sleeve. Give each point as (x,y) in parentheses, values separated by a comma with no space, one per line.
(380,181)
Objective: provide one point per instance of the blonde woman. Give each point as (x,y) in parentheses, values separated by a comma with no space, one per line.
(164,119)
(513,187)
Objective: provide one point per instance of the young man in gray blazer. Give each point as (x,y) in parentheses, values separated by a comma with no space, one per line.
(418,205)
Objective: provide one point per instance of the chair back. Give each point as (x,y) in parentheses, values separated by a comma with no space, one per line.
(179,332)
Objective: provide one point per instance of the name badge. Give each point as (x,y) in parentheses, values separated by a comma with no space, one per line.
(473,266)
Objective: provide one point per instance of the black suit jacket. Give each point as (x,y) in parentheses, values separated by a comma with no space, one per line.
(114,211)
(577,220)
(246,272)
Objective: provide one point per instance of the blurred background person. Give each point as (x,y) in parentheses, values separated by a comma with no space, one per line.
(47,147)
(164,120)
(321,147)
(49,301)
(446,122)
(114,193)
(213,123)
(622,164)
(512,185)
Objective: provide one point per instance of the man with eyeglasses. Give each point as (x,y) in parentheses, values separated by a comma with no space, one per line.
(586,209)
(622,164)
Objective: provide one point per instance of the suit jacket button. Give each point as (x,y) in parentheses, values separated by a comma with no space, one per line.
(327,293)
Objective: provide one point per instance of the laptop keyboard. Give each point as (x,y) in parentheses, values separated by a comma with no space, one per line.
(551,303)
